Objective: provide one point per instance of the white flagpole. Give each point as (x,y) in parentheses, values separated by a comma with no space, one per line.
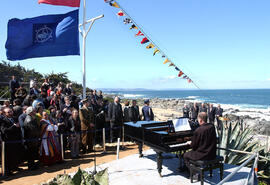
(84,33)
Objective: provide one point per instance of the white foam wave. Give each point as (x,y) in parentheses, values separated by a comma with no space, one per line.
(132,95)
(192,97)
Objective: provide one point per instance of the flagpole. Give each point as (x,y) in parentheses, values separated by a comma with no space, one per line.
(84,33)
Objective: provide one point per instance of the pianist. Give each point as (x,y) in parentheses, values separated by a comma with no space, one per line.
(203,142)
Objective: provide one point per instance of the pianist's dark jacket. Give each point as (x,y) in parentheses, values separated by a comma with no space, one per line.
(203,143)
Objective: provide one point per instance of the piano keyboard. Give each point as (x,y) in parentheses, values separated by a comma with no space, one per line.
(180,144)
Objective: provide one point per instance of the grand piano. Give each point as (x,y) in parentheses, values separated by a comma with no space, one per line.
(160,136)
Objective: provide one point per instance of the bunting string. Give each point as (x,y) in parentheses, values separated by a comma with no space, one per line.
(146,39)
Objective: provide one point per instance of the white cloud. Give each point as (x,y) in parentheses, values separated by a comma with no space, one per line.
(268,79)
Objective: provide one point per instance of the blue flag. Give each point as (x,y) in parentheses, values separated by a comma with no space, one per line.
(44,36)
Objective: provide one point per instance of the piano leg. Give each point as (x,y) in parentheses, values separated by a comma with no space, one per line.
(140,146)
(159,162)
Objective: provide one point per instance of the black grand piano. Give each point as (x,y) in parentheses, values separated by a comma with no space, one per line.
(160,136)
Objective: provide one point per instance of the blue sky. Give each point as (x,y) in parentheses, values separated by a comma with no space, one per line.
(221,44)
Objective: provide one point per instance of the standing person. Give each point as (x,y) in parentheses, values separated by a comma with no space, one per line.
(211,113)
(185,111)
(147,112)
(50,150)
(219,112)
(203,108)
(115,114)
(74,129)
(34,90)
(11,134)
(45,87)
(134,113)
(21,120)
(100,120)
(194,110)
(13,86)
(31,135)
(100,96)
(87,125)
(203,141)
(17,109)
(21,93)
(68,89)
(126,111)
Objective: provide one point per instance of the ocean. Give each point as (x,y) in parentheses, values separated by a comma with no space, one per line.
(242,98)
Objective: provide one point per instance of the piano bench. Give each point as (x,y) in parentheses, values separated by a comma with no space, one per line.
(201,166)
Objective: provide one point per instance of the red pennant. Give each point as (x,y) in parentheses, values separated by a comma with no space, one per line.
(180,73)
(139,34)
(144,40)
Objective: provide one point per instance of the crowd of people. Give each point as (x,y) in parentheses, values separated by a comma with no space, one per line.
(33,121)
(213,113)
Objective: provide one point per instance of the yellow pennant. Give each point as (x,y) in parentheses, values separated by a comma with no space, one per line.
(171,64)
(114,4)
(166,61)
(150,46)
(156,51)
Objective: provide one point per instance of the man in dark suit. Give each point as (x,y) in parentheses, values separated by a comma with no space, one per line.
(11,134)
(185,111)
(134,113)
(203,141)
(115,115)
(194,110)
(147,112)
(203,108)
(219,112)
(13,86)
(211,113)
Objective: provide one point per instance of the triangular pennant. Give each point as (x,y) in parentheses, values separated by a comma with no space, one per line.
(150,46)
(120,13)
(176,68)
(180,73)
(139,34)
(114,4)
(171,64)
(166,61)
(163,56)
(189,80)
(127,21)
(156,51)
(185,77)
(133,26)
(108,1)
(144,40)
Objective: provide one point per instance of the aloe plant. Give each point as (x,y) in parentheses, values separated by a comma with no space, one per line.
(236,139)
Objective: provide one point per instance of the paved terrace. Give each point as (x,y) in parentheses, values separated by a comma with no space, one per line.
(133,170)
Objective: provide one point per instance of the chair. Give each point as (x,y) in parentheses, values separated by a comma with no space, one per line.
(202,166)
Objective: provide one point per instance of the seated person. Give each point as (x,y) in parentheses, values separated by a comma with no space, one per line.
(203,141)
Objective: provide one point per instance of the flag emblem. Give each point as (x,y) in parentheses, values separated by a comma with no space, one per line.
(43,33)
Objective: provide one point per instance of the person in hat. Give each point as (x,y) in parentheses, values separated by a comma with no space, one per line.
(147,112)
(31,134)
(86,115)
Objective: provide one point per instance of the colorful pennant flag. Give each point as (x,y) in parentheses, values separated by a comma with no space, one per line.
(114,4)
(171,64)
(156,51)
(43,36)
(176,68)
(185,77)
(180,73)
(163,56)
(120,13)
(71,3)
(108,1)
(139,34)
(166,61)
(127,21)
(189,80)
(150,46)
(144,40)
(133,26)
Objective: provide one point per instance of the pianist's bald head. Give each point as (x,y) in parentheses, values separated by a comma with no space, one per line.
(202,118)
